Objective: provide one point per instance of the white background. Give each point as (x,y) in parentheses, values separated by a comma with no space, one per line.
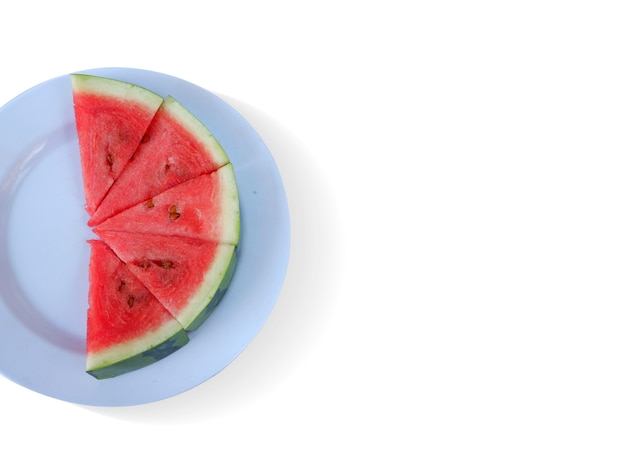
(455,172)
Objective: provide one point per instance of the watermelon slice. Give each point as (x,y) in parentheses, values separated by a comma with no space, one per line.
(127,327)
(161,194)
(204,207)
(111,118)
(188,276)
(175,148)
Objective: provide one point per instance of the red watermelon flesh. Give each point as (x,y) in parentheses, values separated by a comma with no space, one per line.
(175,148)
(168,218)
(127,327)
(188,276)
(204,207)
(111,118)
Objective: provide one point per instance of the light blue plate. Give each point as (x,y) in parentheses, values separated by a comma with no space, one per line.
(44,257)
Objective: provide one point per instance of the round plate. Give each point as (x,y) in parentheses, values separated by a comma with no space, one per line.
(44,256)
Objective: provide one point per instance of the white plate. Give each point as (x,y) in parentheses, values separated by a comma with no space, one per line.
(44,256)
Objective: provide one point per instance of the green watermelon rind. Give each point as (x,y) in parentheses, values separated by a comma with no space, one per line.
(211,297)
(230,204)
(83,83)
(136,354)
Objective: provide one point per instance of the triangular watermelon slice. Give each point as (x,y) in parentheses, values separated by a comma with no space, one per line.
(204,207)
(188,276)
(175,148)
(111,118)
(127,327)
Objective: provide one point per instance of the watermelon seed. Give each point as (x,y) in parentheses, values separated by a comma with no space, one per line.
(110,160)
(131,301)
(150,204)
(166,263)
(122,284)
(173,213)
(145,264)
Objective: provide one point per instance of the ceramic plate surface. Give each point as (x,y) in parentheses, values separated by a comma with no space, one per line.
(44,256)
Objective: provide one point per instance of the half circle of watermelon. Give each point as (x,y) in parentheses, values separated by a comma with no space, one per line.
(204,207)
(188,276)
(127,327)
(111,118)
(175,148)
